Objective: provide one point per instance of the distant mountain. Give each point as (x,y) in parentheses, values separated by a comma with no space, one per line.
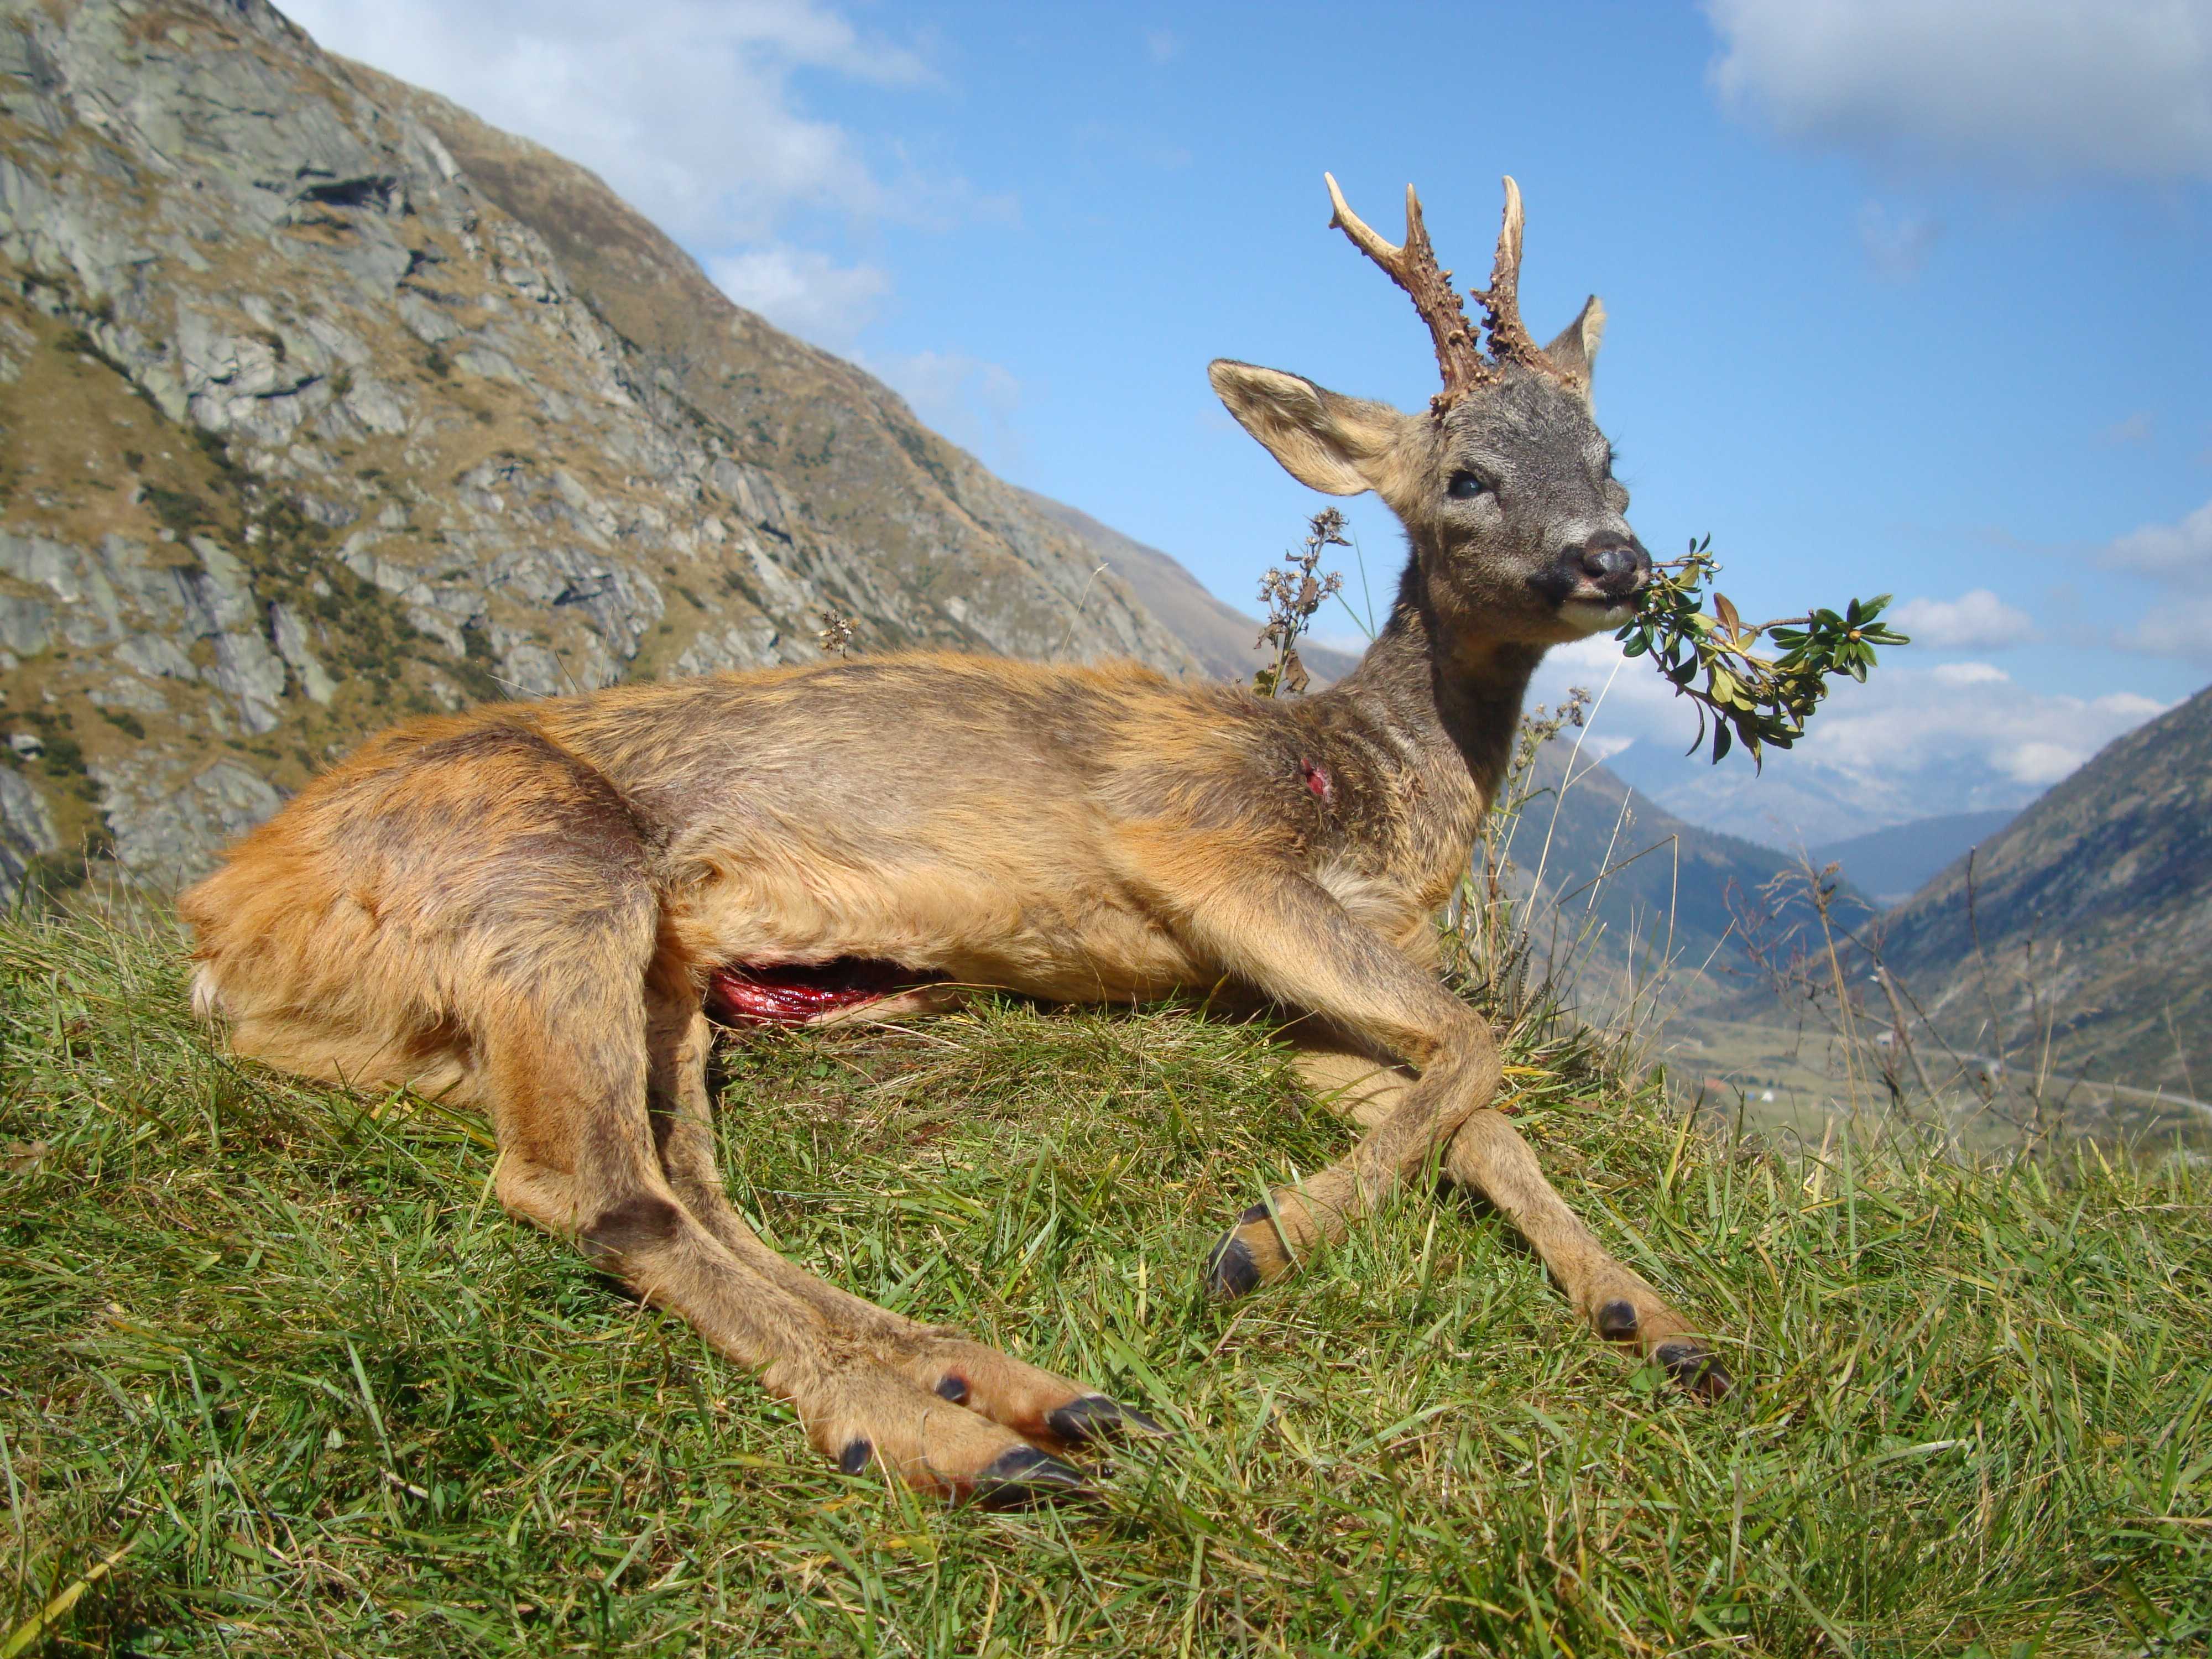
(1616,889)
(1892,864)
(2092,911)
(1222,638)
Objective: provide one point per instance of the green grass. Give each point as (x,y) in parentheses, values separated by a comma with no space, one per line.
(272,1354)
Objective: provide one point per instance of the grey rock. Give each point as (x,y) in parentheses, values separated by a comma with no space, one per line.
(290,635)
(26,829)
(129,693)
(168,820)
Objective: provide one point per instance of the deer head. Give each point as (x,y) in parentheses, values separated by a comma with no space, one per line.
(1504,485)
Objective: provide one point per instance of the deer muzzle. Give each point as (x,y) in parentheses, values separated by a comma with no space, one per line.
(1612,570)
(1594,584)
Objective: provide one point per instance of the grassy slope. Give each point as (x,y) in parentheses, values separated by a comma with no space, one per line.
(280,1343)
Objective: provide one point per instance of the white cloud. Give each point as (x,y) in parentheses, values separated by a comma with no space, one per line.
(1911,742)
(969,400)
(2180,551)
(2036,88)
(2139,427)
(804,292)
(2179,557)
(686,107)
(1967,673)
(2178,628)
(1897,245)
(1975,621)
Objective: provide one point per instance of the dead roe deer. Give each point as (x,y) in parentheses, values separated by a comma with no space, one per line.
(530,906)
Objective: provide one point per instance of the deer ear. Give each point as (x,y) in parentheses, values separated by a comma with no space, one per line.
(1575,349)
(1334,444)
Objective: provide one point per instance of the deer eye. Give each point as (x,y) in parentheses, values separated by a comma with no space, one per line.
(1464,486)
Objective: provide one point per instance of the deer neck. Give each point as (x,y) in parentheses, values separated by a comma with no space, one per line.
(1449,707)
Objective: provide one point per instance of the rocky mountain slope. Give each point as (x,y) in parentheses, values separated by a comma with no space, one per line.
(304,426)
(2091,914)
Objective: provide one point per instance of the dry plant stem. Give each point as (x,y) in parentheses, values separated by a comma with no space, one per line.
(1293,593)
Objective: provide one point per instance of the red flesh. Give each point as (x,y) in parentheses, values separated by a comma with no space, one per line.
(792,993)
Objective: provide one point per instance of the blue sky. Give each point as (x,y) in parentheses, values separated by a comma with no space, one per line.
(1904,297)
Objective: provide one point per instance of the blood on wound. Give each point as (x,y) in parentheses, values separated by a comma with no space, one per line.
(792,994)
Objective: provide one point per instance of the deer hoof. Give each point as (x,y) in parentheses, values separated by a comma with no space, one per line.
(1695,1368)
(1097,1418)
(1231,1272)
(856,1456)
(1024,1476)
(1616,1320)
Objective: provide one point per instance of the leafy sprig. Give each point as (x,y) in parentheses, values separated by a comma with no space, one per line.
(1759,698)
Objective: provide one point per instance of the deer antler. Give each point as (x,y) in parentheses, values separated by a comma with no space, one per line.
(1413,268)
(1510,341)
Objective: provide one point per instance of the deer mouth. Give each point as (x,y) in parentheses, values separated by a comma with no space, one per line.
(1593,612)
(1588,604)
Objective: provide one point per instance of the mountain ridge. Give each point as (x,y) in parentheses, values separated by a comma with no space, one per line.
(1890,865)
(2087,920)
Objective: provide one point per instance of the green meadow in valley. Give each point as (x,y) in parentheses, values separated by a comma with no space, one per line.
(277,1377)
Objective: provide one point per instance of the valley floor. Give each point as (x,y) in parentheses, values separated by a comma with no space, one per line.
(277,1377)
(1798,1081)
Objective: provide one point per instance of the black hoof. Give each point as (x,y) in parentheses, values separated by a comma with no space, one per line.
(1616,1320)
(1229,1271)
(1695,1369)
(1024,1476)
(1094,1417)
(1257,1213)
(856,1456)
(952,1388)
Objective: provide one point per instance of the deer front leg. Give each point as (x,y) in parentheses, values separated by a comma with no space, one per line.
(1488,1156)
(1273,928)
(1291,939)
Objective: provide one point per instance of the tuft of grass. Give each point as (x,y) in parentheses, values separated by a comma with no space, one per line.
(277,1377)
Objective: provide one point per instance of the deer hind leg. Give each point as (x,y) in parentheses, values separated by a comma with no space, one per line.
(1490,1157)
(1032,1403)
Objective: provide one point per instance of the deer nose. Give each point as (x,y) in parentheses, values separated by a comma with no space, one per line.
(1617,568)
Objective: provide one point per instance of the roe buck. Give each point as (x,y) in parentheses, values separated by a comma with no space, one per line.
(532,907)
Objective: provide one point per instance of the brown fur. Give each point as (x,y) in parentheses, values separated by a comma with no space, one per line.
(517,908)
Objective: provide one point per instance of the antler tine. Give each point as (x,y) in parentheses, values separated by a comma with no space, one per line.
(1388,255)
(1510,339)
(1413,267)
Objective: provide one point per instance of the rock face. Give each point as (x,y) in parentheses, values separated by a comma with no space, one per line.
(2090,916)
(322,404)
